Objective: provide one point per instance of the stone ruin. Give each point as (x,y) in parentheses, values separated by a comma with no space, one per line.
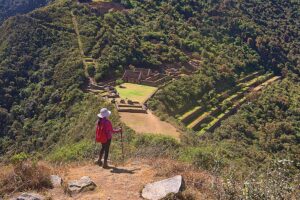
(111,92)
(130,106)
(144,76)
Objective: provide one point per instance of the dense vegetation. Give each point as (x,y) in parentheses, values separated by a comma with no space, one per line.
(43,107)
(259,145)
(268,125)
(41,75)
(263,34)
(12,7)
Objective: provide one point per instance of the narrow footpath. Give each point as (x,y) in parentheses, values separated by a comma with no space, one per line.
(118,183)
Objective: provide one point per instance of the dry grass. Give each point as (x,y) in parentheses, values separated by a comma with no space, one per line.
(149,123)
(24,176)
(198,184)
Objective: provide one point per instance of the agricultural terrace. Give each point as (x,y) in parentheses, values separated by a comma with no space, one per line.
(206,118)
(135,92)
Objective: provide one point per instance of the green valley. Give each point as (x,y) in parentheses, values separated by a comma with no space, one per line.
(222,76)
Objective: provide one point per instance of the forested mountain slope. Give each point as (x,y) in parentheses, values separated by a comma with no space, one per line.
(267,32)
(264,129)
(43,107)
(12,7)
(41,75)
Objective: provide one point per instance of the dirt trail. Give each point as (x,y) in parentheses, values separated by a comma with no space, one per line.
(148,123)
(75,23)
(119,183)
(126,181)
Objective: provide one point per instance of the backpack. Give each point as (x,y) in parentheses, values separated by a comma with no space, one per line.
(101,135)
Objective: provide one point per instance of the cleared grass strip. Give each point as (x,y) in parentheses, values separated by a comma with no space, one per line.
(185,115)
(196,124)
(202,118)
(217,120)
(192,114)
(258,80)
(251,76)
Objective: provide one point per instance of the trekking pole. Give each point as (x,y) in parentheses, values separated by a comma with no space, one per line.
(122,145)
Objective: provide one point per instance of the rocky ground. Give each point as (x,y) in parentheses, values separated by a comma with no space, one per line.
(119,182)
(134,180)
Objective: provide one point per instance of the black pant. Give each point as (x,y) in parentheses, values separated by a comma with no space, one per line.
(105,149)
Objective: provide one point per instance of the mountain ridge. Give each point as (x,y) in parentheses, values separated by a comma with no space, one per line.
(45,109)
(10,8)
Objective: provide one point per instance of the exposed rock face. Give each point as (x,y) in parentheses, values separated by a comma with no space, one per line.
(30,196)
(160,189)
(56,180)
(83,184)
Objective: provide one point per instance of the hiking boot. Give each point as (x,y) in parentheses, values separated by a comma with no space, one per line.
(105,166)
(99,162)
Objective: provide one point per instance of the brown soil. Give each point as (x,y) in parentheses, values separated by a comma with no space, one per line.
(127,181)
(148,123)
(118,183)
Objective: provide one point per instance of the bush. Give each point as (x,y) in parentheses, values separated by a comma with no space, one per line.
(98,77)
(24,176)
(119,81)
(274,182)
(156,145)
(19,158)
(91,70)
(75,152)
(203,157)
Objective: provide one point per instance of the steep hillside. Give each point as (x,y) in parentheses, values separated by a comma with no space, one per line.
(12,7)
(41,76)
(47,55)
(269,124)
(260,33)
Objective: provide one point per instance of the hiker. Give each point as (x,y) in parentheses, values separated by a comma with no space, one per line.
(104,133)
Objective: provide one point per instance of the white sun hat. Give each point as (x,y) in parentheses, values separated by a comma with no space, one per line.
(104,112)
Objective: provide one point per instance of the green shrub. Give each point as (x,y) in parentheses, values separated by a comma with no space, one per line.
(204,160)
(203,157)
(98,77)
(163,117)
(155,140)
(18,158)
(91,70)
(119,81)
(73,152)
(156,145)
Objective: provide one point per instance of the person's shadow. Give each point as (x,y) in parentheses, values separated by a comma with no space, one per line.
(123,171)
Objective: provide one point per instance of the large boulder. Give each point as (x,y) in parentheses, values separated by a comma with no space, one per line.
(56,180)
(160,189)
(30,196)
(83,184)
